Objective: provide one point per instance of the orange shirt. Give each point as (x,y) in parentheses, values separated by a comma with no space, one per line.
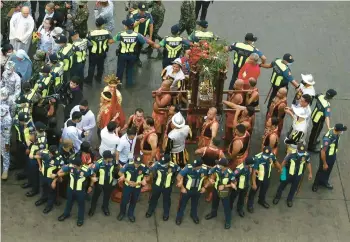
(247,71)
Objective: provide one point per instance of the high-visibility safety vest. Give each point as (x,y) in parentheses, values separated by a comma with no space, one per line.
(222,181)
(128,42)
(19,135)
(261,172)
(168,177)
(48,168)
(201,35)
(44,82)
(99,40)
(138,179)
(321,105)
(334,141)
(77,180)
(277,73)
(66,55)
(242,177)
(292,167)
(79,48)
(143,30)
(196,183)
(102,172)
(173,47)
(242,52)
(57,73)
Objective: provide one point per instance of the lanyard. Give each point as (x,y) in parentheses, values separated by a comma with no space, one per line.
(130,143)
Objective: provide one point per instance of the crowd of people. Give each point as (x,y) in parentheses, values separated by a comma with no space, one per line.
(147,153)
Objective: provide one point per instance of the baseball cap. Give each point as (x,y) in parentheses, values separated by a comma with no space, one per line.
(100,21)
(175,29)
(340,127)
(73,32)
(222,162)
(53,57)
(40,126)
(45,69)
(203,23)
(288,57)
(267,150)
(128,22)
(250,37)
(107,154)
(142,6)
(331,93)
(62,39)
(23,117)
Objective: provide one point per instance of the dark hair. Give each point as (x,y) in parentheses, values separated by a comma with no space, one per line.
(177,108)
(84,103)
(252,83)
(52,23)
(251,110)
(307,98)
(70,123)
(149,121)
(75,79)
(241,128)
(274,121)
(5,48)
(131,131)
(76,115)
(140,110)
(111,126)
(53,149)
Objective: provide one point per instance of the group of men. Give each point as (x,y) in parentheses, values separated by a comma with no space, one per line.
(148,154)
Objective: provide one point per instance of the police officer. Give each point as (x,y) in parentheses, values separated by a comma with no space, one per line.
(51,161)
(80,49)
(38,63)
(293,167)
(242,178)
(173,46)
(261,177)
(105,170)
(242,51)
(134,174)
(191,181)
(39,144)
(6,123)
(57,71)
(98,48)
(43,85)
(281,75)
(320,114)
(164,173)
(143,25)
(328,156)
(202,33)
(130,41)
(223,180)
(76,189)
(65,54)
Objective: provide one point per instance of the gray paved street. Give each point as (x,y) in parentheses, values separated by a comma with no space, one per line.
(317,34)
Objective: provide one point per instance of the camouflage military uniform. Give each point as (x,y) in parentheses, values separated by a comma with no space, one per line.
(80,19)
(129,5)
(7,6)
(6,124)
(157,12)
(38,62)
(188,17)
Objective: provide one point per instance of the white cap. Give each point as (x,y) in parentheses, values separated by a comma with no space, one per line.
(177,61)
(308,78)
(57,31)
(178,120)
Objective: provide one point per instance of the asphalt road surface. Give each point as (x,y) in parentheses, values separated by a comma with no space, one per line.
(317,34)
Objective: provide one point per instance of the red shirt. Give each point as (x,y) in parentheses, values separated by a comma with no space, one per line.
(247,71)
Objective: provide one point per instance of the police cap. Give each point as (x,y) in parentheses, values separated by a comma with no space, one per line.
(46,69)
(100,21)
(76,161)
(53,149)
(32,130)
(138,159)
(197,162)
(165,159)
(26,86)
(73,32)
(53,57)
(40,126)
(107,154)
(301,148)
(62,39)
(23,117)
(203,23)
(250,160)
(222,162)
(250,37)
(142,6)
(128,22)
(288,57)
(175,29)
(267,150)
(331,93)
(340,127)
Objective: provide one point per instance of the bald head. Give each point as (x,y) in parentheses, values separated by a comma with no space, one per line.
(252,81)
(50,7)
(253,58)
(166,84)
(239,84)
(282,92)
(212,113)
(25,11)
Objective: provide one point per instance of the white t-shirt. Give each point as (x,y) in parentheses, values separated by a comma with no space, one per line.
(109,141)
(126,148)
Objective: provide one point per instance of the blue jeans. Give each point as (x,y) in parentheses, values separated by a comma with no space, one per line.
(129,194)
(126,61)
(184,197)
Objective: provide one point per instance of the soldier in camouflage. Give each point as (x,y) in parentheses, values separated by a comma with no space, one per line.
(188,17)
(80,19)
(38,62)
(157,12)
(132,7)
(6,124)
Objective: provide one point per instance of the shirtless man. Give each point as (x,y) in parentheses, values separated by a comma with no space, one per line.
(239,147)
(270,137)
(246,117)
(252,98)
(277,107)
(209,128)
